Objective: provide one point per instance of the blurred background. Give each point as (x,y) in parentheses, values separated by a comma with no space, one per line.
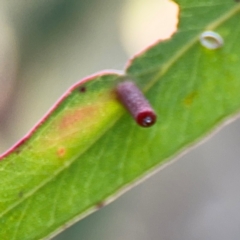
(46,46)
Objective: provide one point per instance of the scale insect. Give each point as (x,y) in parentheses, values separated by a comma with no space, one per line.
(136,103)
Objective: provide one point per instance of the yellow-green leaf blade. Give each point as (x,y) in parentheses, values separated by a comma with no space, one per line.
(193,89)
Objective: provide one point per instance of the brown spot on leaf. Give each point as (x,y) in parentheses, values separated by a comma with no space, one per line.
(100,205)
(17,150)
(189,99)
(61,151)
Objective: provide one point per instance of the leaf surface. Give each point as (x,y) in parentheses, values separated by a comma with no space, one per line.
(88,149)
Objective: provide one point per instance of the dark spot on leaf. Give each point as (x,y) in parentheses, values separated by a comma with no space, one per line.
(189,99)
(20,194)
(17,150)
(82,89)
(100,205)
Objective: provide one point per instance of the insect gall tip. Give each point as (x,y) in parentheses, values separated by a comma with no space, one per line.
(146,118)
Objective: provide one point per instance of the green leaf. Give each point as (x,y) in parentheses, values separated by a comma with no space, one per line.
(88,150)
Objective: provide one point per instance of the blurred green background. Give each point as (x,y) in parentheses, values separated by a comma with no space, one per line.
(46,46)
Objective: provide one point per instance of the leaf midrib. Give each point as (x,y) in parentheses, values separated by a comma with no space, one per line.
(159,74)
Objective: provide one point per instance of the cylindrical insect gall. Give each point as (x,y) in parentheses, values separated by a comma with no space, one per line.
(136,103)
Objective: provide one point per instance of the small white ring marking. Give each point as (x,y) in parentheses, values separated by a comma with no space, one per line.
(211,40)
